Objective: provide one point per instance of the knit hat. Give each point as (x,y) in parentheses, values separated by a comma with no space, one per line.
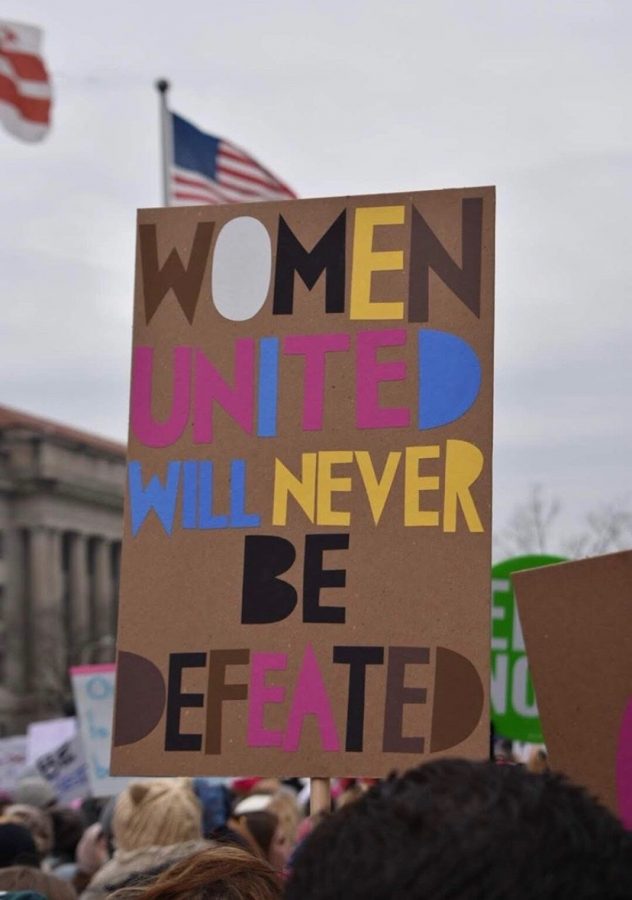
(34,791)
(17,846)
(156,813)
(252,803)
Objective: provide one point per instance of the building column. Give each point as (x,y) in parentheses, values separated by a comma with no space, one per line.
(47,657)
(116,584)
(56,568)
(79,596)
(104,597)
(15,620)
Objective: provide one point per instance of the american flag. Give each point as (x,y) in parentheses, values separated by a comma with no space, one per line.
(209,170)
(25,91)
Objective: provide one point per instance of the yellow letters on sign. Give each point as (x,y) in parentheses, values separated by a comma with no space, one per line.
(329,484)
(377,489)
(463,465)
(303,489)
(366,260)
(414,484)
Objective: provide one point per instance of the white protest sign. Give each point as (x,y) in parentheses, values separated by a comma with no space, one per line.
(65,770)
(93,689)
(43,737)
(12,761)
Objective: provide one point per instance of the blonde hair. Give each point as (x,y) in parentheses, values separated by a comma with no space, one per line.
(285,807)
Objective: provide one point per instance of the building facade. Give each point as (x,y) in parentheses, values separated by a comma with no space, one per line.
(61,505)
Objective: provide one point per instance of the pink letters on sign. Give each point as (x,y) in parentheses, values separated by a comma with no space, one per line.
(369,374)
(211,388)
(624,767)
(144,426)
(314,347)
(310,698)
(261,693)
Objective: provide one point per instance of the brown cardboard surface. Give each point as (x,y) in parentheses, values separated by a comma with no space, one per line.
(577,624)
(407,611)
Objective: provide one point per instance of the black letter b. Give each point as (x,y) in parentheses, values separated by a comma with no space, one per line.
(265,597)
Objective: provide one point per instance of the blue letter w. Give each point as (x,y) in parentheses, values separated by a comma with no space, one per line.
(156,496)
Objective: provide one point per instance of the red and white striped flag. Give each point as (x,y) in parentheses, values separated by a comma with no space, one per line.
(206,170)
(25,90)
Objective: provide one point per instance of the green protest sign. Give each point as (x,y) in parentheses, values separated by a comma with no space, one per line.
(513,702)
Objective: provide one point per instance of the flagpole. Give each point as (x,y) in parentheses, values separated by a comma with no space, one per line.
(166,132)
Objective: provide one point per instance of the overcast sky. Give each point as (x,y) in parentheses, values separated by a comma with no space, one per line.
(346,97)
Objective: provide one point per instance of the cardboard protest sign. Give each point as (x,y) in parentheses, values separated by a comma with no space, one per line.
(65,770)
(12,760)
(93,690)
(577,624)
(305,573)
(514,705)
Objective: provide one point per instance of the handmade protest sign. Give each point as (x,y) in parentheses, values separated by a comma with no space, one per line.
(305,574)
(45,736)
(513,702)
(12,760)
(65,769)
(93,691)
(577,624)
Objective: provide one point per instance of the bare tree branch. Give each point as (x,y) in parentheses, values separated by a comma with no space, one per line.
(530,529)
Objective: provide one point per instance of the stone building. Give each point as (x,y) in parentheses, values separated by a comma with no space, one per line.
(61,504)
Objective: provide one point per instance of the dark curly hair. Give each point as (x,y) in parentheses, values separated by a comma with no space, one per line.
(458,830)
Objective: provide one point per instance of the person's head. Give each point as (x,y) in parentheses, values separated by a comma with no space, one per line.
(538,761)
(264,827)
(283,804)
(17,847)
(156,813)
(466,831)
(26,878)
(38,822)
(68,828)
(280,848)
(265,835)
(219,873)
(351,793)
(33,790)
(504,751)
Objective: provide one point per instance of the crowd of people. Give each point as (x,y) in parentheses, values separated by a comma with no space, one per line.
(445,830)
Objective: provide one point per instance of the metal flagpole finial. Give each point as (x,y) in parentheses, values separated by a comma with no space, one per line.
(166,131)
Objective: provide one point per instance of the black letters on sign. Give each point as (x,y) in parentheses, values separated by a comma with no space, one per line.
(328,255)
(315,577)
(357,658)
(265,597)
(177,701)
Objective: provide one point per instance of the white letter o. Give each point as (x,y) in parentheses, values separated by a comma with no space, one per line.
(242,266)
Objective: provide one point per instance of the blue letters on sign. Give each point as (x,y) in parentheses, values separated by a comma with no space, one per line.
(99,688)
(156,495)
(268,386)
(449,377)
